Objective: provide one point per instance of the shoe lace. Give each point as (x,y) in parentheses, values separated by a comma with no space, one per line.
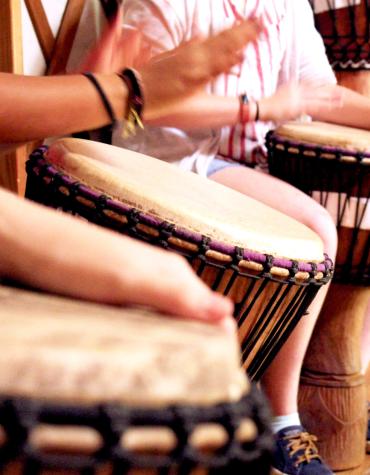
(303,445)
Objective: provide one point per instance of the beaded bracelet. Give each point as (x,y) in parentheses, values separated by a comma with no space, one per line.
(135,103)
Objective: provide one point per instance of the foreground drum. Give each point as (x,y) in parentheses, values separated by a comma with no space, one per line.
(344,26)
(90,389)
(270,265)
(332,164)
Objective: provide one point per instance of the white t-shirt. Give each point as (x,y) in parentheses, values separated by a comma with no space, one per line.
(293,50)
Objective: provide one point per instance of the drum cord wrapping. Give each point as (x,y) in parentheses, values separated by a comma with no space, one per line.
(20,416)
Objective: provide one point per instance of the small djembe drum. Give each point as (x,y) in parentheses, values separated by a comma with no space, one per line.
(270,265)
(92,389)
(346,34)
(332,164)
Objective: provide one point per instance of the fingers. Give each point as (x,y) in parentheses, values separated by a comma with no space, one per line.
(197,303)
(102,56)
(225,49)
(240,35)
(128,49)
(171,286)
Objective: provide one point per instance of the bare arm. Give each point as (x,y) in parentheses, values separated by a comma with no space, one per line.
(59,253)
(288,102)
(37,107)
(354,111)
(201,110)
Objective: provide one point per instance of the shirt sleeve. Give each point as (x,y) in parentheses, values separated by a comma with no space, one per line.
(306,56)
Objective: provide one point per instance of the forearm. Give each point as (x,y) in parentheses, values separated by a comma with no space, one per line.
(53,251)
(202,110)
(59,253)
(354,111)
(37,107)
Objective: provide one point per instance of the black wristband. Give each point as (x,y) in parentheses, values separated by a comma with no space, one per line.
(257,112)
(103,96)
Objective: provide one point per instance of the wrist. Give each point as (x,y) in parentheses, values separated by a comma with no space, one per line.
(117,92)
(249,111)
(265,112)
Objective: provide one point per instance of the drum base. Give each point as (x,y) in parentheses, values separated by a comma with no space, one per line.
(334,414)
(332,399)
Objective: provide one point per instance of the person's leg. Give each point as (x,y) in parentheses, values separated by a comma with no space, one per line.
(281,380)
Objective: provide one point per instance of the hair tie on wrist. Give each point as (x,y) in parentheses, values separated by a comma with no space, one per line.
(103,96)
(257,112)
(135,102)
(243,99)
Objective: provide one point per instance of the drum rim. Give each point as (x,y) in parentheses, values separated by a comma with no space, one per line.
(299,271)
(19,416)
(274,138)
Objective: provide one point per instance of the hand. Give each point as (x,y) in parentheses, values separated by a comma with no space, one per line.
(295,99)
(182,72)
(116,49)
(78,259)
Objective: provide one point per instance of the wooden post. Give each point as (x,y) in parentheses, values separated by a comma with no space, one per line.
(12,174)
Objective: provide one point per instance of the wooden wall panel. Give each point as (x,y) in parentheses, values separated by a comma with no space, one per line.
(12,175)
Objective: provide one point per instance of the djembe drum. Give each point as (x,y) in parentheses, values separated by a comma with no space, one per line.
(270,265)
(93,389)
(346,34)
(332,164)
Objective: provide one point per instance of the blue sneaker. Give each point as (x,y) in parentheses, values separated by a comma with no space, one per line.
(296,454)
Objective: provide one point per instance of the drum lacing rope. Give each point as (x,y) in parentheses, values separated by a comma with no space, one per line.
(166,231)
(237,256)
(74,189)
(17,418)
(328,264)
(293,271)
(313,273)
(203,247)
(20,417)
(101,205)
(133,219)
(268,265)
